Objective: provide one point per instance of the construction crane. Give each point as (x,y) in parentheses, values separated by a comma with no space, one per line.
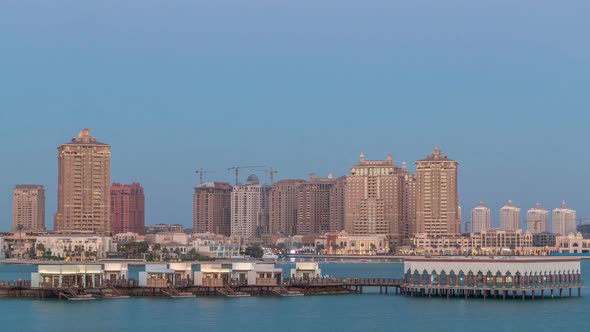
(236,170)
(202,173)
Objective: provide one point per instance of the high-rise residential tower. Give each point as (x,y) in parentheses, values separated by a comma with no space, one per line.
(84,180)
(408,224)
(127,208)
(28,208)
(564,220)
(337,204)
(283,201)
(510,217)
(212,208)
(480,218)
(437,198)
(249,209)
(374,190)
(537,220)
(313,215)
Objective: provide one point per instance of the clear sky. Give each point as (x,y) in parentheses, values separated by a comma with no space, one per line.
(501,86)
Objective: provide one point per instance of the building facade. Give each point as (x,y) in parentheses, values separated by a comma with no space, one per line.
(28,208)
(408,225)
(84,179)
(249,209)
(437,198)
(74,247)
(127,208)
(212,208)
(537,220)
(374,190)
(283,204)
(510,217)
(480,218)
(564,220)
(337,204)
(313,215)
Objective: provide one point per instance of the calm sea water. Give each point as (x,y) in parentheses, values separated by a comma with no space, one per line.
(367,312)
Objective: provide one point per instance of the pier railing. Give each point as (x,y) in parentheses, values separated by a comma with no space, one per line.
(19,283)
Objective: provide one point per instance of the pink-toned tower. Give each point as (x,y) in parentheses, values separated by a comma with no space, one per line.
(127,208)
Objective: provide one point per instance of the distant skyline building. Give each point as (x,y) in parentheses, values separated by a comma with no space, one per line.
(510,217)
(374,190)
(564,220)
(84,180)
(537,220)
(283,204)
(127,208)
(337,204)
(212,208)
(437,197)
(313,215)
(249,209)
(28,208)
(480,218)
(408,224)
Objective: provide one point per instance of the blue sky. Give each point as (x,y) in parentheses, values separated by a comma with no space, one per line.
(304,86)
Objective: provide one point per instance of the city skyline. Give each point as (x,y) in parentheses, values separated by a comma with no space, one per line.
(504,96)
(495,221)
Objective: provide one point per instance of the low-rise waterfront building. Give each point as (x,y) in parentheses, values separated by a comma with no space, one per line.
(156,275)
(116,272)
(260,274)
(167,237)
(216,247)
(213,275)
(183,272)
(67,275)
(491,275)
(343,243)
(74,247)
(572,244)
(306,271)
(489,242)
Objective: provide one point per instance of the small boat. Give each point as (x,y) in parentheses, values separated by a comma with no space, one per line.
(183,296)
(269,256)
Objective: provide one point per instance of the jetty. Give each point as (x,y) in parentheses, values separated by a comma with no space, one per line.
(465,277)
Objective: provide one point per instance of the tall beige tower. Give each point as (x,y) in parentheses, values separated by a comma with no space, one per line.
(283,203)
(28,208)
(480,218)
(564,220)
(408,224)
(249,209)
(374,199)
(437,198)
(537,220)
(510,217)
(84,178)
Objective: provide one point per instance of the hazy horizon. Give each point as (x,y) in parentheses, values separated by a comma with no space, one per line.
(304,87)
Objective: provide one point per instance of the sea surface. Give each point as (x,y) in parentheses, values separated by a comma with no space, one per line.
(368,312)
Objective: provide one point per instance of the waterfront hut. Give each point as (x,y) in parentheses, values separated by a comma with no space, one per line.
(306,271)
(156,275)
(182,272)
(213,275)
(67,276)
(260,274)
(114,273)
